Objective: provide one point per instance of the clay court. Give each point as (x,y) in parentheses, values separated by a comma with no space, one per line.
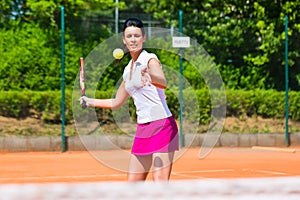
(81,166)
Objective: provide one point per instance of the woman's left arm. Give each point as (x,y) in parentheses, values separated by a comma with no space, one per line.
(156,73)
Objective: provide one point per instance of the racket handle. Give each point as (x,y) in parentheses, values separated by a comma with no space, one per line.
(83,105)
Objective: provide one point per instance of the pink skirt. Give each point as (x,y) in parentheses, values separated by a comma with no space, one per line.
(159,136)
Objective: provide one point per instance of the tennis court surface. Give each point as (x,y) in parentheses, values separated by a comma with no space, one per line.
(226,173)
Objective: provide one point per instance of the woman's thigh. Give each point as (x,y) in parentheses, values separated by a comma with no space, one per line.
(139,167)
(162,166)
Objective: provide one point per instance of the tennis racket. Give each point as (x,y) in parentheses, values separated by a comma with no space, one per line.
(81,82)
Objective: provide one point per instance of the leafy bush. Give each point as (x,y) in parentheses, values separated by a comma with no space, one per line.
(265,103)
(46,105)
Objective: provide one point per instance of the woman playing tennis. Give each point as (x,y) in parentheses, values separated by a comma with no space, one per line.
(156,138)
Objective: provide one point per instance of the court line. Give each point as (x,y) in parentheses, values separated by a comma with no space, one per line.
(187,173)
(60,177)
(287,150)
(179,173)
(175,173)
(265,171)
(271,172)
(105,175)
(206,171)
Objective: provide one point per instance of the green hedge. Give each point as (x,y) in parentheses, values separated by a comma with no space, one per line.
(47,105)
(44,105)
(264,103)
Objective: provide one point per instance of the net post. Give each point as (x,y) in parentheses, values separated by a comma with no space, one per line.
(287,138)
(117,17)
(181,86)
(63,142)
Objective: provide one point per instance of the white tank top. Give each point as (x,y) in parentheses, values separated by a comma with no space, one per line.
(150,101)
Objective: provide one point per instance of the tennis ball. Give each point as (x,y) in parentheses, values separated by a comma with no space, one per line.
(118,53)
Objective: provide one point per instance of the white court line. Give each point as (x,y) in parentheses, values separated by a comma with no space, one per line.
(179,173)
(271,172)
(187,173)
(186,176)
(265,171)
(60,177)
(206,171)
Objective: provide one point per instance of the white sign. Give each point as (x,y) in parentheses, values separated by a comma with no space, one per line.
(181,42)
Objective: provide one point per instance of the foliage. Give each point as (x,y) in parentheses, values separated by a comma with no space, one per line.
(42,105)
(244,38)
(240,103)
(28,61)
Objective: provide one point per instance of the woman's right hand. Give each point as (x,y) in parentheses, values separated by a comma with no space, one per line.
(88,101)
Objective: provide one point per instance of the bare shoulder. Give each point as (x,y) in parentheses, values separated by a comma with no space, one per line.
(154,62)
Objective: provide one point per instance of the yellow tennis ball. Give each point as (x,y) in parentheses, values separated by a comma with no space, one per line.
(118,53)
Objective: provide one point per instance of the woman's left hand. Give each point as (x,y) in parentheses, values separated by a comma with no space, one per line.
(146,78)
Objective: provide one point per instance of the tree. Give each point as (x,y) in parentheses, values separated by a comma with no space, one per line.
(246,38)
(30,42)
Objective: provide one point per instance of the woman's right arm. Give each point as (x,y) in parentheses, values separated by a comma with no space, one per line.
(115,103)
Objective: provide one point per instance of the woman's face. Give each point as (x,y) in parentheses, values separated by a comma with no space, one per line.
(133,38)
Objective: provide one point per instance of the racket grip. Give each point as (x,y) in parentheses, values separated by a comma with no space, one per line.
(83,105)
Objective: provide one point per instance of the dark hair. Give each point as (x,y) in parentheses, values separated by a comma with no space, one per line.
(134,22)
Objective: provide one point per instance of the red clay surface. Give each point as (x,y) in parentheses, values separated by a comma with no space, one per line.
(45,167)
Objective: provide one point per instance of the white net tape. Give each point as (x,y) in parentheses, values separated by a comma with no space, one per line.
(254,188)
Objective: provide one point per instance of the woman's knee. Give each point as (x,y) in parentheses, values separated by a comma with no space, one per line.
(136,177)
